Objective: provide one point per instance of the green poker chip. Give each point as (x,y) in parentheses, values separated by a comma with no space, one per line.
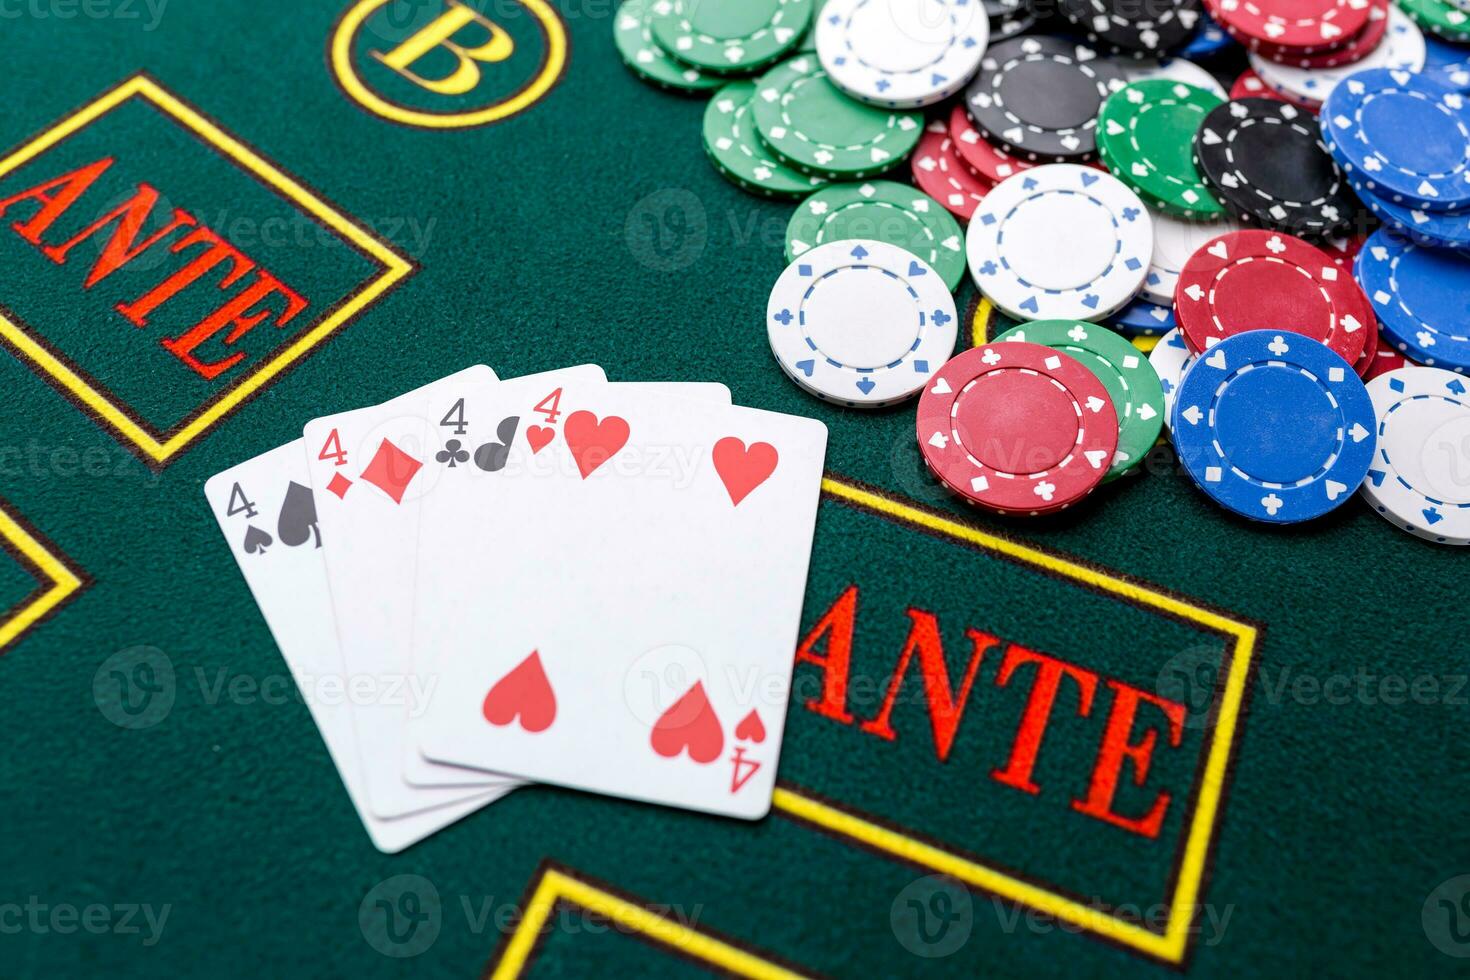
(1437,17)
(808,123)
(885,211)
(1124,371)
(729,36)
(1145,136)
(737,153)
(642,54)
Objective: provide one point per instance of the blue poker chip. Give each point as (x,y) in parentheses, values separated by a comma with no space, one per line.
(1439,53)
(1404,136)
(1141,318)
(1446,63)
(1437,229)
(1274,426)
(1421,296)
(1209,39)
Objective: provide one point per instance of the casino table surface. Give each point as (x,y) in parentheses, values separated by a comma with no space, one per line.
(1138,738)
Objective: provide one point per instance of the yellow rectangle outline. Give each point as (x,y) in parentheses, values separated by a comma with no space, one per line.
(558,886)
(63,581)
(1172,945)
(395,266)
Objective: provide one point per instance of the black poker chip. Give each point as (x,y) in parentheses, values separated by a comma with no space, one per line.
(1266,162)
(1140,28)
(1011,20)
(1037,97)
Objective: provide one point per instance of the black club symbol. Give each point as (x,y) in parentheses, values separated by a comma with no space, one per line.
(452,453)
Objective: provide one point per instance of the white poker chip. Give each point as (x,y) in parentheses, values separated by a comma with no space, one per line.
(1060,241)
(1175,240)
(901,54)
(1170,69)
(1420,477)
(861,322)
(1402,48)
(1170,358)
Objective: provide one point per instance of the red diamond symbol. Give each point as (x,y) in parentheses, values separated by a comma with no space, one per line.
(391,470)
(339,485)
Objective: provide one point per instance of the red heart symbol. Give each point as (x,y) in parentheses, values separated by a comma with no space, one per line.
(743,469)
(592,442)
(689,723)
(751,728)
(523,692)
(539,436)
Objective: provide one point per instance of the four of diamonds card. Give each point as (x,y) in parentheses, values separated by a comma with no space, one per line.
(554,578)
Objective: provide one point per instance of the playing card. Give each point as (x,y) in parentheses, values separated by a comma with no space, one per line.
(370,468)
(267,513)
(461,499)
(619,612)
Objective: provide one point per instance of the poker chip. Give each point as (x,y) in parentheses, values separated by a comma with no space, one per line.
(1445,58)
(1443,19)
(1420,295)
(1141,318)
(1011,23)
(903,54)
(1017,428)
(1273,426)
(1385,360)
(1131,383)
(1356,49)
(1137,27)
(1038,97)
(862,323)
(1302,25)
(737,152)
(1170,358)
(1208,39)
(1266,163)
(1417,480)
(978,153)
(1062,242)
(1343,249)
(1175,240)
(641,53)
(810,125)
(1250,86)
(1402,48)
(1438,229)
(1144,136)
(884,211)
(1364,364)
(729,36)
(1239,281)
(940,173)
(1170,69)
(1454,77)
(1404,136)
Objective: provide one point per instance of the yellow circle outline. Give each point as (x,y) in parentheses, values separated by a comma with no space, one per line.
(550,73)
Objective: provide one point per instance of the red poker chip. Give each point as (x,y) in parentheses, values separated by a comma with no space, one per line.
(1250,86)
(1385,360)
(1258,280)
(1016,427)
(1356,49)
(1302,26)
(940,173)
(1366,359)
(1343,250)
(978,153)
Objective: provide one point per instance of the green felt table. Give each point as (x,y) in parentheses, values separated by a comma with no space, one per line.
(1137,738)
